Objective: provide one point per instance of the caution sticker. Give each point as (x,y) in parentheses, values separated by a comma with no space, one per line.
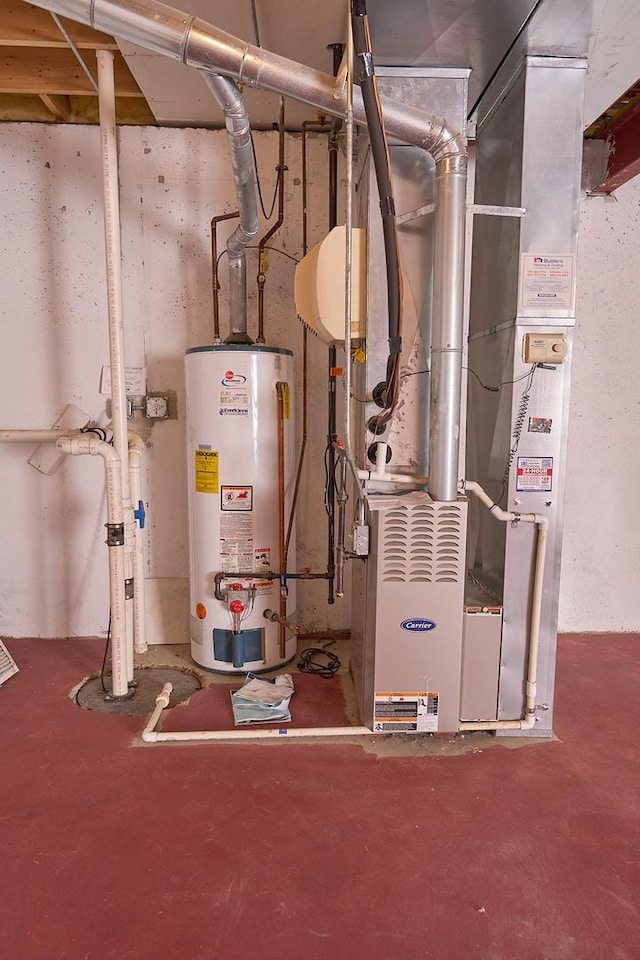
(236,498)
(406,712)
(206,471)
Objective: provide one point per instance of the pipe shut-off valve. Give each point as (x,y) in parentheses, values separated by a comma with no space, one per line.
(239,602)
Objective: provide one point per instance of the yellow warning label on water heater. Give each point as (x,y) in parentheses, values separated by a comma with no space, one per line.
(206,472)
(286,402)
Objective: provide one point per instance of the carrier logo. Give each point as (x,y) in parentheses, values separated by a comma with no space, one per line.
(418,625)
(232,379)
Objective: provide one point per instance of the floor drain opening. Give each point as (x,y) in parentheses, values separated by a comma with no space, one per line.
(150,680)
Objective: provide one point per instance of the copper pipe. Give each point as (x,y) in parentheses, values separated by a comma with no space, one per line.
(321,123)
(282,390)
(215,283)
(262,255)
(305,342)
(303,447)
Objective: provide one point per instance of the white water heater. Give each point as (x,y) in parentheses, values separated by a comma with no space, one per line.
(240,449)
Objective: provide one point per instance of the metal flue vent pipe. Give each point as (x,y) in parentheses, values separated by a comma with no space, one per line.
(196,43)
(236,120)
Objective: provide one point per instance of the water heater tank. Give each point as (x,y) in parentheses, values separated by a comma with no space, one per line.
(239,416)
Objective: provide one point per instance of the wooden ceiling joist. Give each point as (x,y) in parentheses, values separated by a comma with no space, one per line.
(22,25)
(57,72)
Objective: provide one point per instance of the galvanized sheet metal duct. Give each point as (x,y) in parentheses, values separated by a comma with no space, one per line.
(236,121)
(196,43)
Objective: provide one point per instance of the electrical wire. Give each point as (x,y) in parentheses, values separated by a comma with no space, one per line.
(104,656)
(266,215)
(382,167)
(319,661)
(518,424)
(256,247)
(503,383)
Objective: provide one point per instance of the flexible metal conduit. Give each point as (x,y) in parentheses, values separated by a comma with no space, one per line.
(236,119)
(196,43)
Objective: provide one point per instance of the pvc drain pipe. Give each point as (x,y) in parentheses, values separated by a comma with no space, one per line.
(150,735)
(529,719)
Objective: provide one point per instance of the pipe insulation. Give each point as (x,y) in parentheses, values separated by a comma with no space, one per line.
(196,43)
(236,119)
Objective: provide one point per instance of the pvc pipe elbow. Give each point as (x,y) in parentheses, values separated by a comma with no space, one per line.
(149,736)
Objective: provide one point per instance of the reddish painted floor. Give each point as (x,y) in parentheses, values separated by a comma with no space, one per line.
(318,851)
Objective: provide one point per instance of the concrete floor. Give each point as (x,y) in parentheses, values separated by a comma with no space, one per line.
(114,849)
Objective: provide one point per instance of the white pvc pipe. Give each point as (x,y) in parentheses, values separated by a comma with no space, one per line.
(77,442)
(529,719)
(150,735)
(113,257)
(35,436)
(136,450)
(91,445)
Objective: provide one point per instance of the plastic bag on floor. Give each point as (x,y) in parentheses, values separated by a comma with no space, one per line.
(262,701)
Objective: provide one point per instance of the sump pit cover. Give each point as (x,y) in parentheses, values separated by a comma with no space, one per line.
(91,696)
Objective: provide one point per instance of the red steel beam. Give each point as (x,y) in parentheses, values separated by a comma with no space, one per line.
(623,140)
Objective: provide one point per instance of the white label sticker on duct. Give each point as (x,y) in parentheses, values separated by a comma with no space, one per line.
(234,395)
(406,712)
(547,281)
(534,474)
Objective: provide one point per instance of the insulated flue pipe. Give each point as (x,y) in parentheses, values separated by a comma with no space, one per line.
(236,121)
(196,43)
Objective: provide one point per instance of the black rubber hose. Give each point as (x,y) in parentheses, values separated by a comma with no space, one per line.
(382,167)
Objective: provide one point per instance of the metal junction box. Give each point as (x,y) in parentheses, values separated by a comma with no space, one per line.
(408,615)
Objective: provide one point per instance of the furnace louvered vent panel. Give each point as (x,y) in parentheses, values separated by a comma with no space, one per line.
(8,666)
(422,543)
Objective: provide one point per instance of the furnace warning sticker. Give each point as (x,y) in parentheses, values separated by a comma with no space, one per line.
(406,713)
(234,395)
(547,281)
(236,542)
(236,498)
(534,474)
(206,471)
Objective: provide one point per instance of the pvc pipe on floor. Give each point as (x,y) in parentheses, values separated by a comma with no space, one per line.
(529,719)
(150,735)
